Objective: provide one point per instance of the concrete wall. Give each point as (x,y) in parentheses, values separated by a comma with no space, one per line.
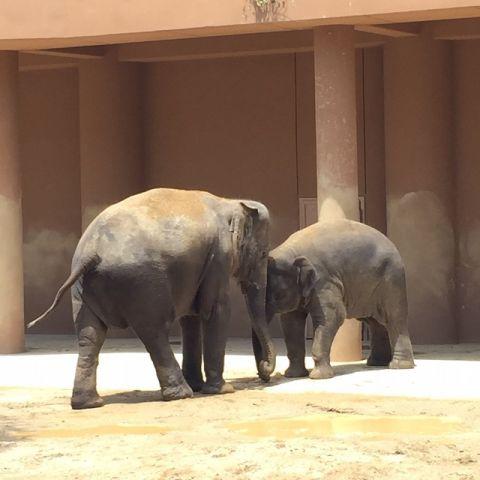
(372,117)
(306,141)
(419,175)
(51,189)
(467,161)
(111,138)
(245,127)
(226,126)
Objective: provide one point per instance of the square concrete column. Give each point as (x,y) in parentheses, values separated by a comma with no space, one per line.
(420,180)
(337,180)
(11,262)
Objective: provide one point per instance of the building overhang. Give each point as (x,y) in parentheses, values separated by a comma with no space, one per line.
(60,24)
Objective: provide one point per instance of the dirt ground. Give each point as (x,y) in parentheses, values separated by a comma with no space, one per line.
(251,434)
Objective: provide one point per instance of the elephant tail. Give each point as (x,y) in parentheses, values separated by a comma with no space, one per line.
(74,276)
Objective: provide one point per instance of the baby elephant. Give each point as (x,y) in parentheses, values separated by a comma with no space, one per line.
(332,271)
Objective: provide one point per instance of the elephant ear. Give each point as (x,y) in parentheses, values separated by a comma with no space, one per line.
(241,227)
(250,209)
(307,275)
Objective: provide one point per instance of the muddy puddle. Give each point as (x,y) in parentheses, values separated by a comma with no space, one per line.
(285,428)
(338,425)
(119,429)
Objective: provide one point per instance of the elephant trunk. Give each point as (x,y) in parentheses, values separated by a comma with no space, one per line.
(255,297)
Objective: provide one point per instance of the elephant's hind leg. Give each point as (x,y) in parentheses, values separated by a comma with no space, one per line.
(215,326)
(169,374)
(91,334)
(396,323)
(380,349)
(192,352)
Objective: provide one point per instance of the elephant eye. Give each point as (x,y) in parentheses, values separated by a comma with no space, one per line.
(263,254)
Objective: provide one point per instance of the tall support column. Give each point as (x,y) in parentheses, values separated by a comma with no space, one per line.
(11,261)
(335,116)
(467,146)
(420,179)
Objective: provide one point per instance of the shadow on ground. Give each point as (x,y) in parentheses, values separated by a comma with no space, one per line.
(239,383)
(133,396)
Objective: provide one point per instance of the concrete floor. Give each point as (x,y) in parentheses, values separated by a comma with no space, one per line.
(443,372)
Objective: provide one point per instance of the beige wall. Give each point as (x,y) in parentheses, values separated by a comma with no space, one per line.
(226,126)
(467,161)
(51,189)
(419,173)
(306,141)
(111,138)
(373,138)
(245,127)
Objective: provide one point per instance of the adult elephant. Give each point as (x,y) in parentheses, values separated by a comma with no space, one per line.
(159,256)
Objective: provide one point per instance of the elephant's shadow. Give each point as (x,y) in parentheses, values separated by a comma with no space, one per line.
(133,396)
(254,383)
(239,383)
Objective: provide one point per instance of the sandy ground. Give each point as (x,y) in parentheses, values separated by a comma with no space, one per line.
(259,432)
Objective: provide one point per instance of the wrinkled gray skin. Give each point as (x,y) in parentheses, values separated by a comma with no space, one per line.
(164,255)
(332,271)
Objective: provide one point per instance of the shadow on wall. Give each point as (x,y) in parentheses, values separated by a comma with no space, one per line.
(47,259)
(265,10)
(469,257)
(420,227)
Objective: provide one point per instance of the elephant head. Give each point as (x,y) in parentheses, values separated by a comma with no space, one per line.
(249,227)
(289,284)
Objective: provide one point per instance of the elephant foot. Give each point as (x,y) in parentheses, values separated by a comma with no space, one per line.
(218,389)
(321,372)
(196,384)
(83,401)
(176,392)
(296,371)
(374,361)
(401,363)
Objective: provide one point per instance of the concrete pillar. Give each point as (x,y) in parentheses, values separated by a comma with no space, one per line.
(467,163)
(419,179)
(111,148)
(336,133)
(11,262)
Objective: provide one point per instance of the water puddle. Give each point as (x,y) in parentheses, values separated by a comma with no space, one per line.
(338,425)
(75,432)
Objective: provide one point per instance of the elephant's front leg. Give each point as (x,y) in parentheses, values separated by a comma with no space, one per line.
(327,319)
(192,352)
(293,327)
(215,328)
